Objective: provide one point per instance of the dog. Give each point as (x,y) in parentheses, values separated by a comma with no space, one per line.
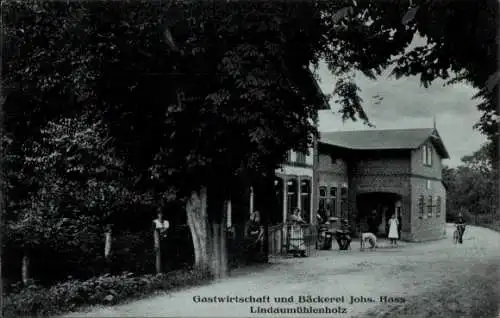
(368,237)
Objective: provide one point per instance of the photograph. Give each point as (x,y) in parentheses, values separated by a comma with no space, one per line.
(257,158)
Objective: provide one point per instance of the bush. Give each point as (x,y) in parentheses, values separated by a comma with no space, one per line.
(104,290)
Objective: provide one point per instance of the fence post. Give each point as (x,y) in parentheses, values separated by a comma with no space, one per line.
(157,245)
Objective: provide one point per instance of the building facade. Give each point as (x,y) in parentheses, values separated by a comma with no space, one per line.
(353,174)
(384,172)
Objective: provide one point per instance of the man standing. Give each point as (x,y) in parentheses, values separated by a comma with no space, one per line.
(460,227)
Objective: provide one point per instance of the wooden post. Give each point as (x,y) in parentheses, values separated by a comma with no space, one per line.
(251,200)
(285,198)
(25,275)
(157,245)
(107,242)
(299,194)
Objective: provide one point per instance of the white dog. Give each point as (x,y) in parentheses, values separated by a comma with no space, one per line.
(368,237)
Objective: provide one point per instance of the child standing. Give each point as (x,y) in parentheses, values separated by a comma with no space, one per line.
(393,230)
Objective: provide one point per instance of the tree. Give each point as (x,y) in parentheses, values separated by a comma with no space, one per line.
(458,52)
(473,186)
(74,182)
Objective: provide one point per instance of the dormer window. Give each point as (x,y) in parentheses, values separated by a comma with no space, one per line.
(300,158)
(427,155)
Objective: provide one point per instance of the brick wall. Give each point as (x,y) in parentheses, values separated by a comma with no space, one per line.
(383,166)
(418,167)
(426,228)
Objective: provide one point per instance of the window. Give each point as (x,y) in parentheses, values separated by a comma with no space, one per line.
(428,184)
(429,207)
(322,191)
(292,189)
(421,207)
(427,155)
(333,201)
(300,158)
(322,200)
(289,156)
(305,198)
(438,207)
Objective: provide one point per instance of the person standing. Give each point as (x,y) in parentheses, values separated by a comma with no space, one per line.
(160,228)
(255,234)
(460,227)
(393,230)
(297,245)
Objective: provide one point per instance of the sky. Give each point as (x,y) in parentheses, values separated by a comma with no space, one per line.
(407,104)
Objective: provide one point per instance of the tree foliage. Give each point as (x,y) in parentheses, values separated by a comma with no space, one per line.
(473,185)
(72,180)
(462,46)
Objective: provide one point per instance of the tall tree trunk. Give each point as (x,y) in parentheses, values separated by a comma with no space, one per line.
(209,236)
(25,268)
(196,210)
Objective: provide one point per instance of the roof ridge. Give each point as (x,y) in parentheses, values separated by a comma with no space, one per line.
(371,130)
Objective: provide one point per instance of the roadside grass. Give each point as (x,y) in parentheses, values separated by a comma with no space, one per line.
(108,290)
(495,225)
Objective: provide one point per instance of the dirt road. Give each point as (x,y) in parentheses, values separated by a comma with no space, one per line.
(399,276)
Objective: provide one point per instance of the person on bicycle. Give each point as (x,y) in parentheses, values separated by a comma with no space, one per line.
(460,224)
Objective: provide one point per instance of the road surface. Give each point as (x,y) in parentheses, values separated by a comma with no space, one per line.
(384,278)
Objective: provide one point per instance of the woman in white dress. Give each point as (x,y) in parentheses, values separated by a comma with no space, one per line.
(393,230)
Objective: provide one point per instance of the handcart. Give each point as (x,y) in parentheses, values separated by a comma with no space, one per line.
(295,243)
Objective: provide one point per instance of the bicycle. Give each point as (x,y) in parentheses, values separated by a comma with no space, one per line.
(458,232)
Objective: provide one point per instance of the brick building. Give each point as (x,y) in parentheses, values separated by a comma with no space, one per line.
(387,171)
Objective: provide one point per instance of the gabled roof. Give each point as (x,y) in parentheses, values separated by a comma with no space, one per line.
(385,139)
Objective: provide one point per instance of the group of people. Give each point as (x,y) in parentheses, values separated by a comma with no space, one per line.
(342,234)
(254,231)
